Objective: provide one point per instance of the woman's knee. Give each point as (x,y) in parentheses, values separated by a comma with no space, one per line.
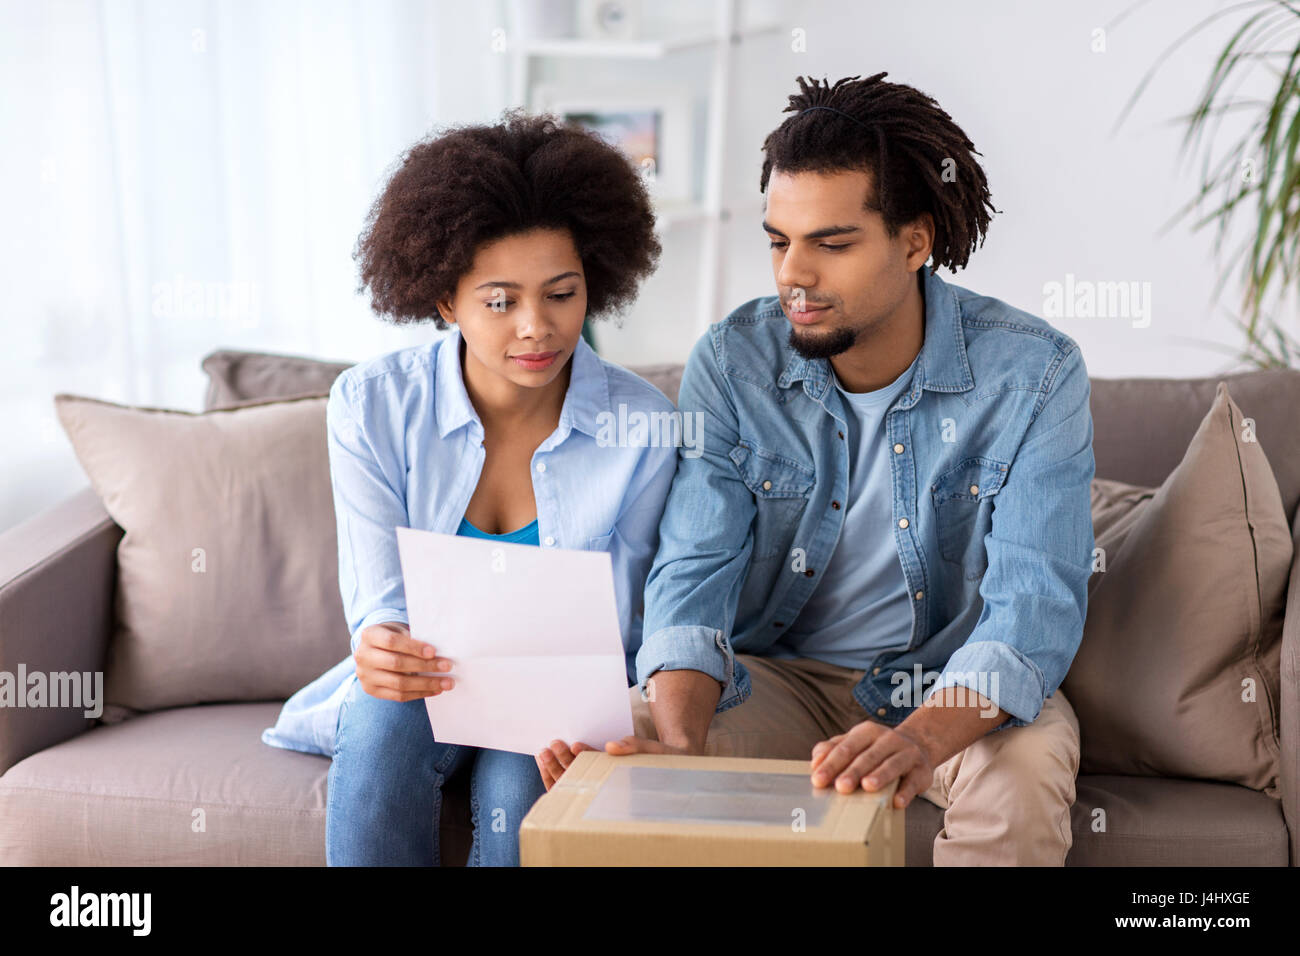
(387,720)
(391,736)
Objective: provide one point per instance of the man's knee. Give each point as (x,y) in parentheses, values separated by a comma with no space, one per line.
(1038,759)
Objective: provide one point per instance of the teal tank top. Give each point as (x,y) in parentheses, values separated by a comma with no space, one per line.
(525,535)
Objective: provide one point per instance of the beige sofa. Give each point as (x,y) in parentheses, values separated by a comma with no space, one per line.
(77,792)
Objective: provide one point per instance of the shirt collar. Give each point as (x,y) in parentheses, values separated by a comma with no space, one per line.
(587,397)
(942,367)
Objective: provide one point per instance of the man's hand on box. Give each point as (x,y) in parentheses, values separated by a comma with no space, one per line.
(552,763)
(392,665)
(644,745)
(872,756)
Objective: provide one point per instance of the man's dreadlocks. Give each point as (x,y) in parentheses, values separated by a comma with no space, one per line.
(919,159)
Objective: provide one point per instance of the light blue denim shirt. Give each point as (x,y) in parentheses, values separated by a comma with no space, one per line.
(991,452)
(406,449)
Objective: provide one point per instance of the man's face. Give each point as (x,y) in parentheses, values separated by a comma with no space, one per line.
(839,274)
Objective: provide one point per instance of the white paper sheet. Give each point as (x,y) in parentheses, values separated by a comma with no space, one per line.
(533,635)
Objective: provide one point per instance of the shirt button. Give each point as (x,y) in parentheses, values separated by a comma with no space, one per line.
(974,489)
(809,573)
(778,623)
(875,670)
(902,522)
(767,486)
(541,467)
(841,434)
(919,595)
(898,449)
(549,540)
(835,505)
(880,711)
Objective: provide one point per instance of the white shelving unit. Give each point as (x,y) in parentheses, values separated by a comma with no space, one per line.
(708,211)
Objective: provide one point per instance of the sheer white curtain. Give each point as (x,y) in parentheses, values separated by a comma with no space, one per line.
(179,175)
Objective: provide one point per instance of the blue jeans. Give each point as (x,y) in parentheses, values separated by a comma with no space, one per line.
(385,789)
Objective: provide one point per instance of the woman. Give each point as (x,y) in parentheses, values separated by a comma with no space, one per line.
(511,235)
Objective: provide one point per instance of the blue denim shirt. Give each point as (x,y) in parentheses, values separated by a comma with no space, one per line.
(992,460)
(406,449)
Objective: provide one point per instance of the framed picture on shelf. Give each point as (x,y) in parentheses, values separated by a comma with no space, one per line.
(653,129)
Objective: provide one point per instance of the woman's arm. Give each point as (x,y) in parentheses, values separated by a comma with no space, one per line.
(369,505)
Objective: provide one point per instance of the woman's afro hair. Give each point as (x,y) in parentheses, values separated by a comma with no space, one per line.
(470,185)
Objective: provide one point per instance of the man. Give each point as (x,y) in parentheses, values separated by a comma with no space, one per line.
(880,558)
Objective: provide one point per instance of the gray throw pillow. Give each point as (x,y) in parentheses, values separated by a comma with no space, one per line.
(1178,671)
(227,584)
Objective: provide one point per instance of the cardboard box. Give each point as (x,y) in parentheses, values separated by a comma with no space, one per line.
(658,810)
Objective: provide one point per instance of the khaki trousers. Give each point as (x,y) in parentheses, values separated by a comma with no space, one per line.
(1006,797)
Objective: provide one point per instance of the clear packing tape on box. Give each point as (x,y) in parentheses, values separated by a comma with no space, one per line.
(708,796)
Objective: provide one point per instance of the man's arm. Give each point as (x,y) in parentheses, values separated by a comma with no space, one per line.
(1035,595)
(872,755)
(946,724)
(683,703)
(686,666)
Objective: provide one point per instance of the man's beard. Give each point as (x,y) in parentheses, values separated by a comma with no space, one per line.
(825,345)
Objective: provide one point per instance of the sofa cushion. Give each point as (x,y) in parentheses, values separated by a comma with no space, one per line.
(667,377)
(127,795)
(235,377)
(180,787)
(1152,821)
(1142,426)
(227,585)
(1148,821)
(1178,671)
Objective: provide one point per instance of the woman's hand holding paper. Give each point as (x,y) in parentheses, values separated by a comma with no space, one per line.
(392,665)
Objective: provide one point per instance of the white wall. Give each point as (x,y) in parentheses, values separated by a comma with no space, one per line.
(154,147)
(130,158)
(1021,79)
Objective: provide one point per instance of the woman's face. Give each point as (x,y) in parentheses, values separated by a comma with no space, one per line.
(520,307)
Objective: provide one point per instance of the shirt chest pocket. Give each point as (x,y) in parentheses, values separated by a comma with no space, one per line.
(600,543)
(781,487)
(964,498)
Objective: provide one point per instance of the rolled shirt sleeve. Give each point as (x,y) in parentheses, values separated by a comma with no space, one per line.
(369,505)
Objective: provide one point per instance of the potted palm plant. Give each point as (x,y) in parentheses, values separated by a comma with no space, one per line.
(1258,174)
